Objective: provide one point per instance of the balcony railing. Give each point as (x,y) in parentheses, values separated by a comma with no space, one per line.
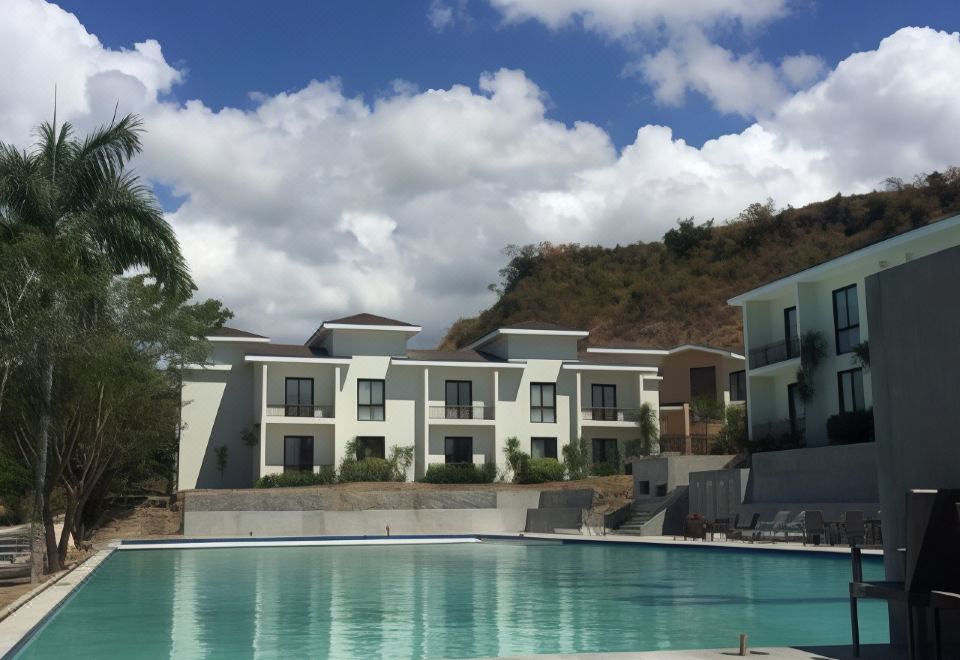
(299,410)
(778,351)
(461,412)
(791,430)
(593,414)
(694,444)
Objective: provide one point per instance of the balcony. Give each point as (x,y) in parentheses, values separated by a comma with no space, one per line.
(300,411)
(778,351)
(629,415)
(481,413)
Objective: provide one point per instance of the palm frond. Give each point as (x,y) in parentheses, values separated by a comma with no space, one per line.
(129,229)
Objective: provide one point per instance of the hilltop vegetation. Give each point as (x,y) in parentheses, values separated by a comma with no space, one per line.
(675,290)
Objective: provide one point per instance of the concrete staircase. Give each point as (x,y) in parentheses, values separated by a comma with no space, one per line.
(650,516)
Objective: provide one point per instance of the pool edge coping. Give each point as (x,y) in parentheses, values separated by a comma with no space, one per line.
(39,605)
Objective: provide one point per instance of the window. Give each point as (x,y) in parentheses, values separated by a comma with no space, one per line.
(846,318)
(458,450)
(604,402)
(790,332)
(459,399)
(297,453)
(299,397)
(604,450)
(543,402)
(370,402)
(371,447)
(850,386)
(738,385)
(703,383)
(543,447)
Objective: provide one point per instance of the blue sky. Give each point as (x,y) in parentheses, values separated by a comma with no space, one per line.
(230,49)
(518,121)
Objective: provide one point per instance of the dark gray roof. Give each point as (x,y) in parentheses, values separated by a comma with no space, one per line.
(233,332)
(453,356)
(370,319)
(288,350)
(615,359)
(538,325)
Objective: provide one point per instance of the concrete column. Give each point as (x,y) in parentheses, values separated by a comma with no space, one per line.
(687,442)
(263,419)
(578,410)
(336,415)
(426,417)
(497,451)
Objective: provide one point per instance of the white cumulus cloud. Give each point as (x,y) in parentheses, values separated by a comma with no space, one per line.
(315,204)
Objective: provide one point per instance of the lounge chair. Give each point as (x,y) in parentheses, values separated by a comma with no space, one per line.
(773,526)
(852,528)
(795,526)
(743,526)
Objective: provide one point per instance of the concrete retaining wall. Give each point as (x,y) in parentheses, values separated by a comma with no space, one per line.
(844,473)
(319,512)
(666,473)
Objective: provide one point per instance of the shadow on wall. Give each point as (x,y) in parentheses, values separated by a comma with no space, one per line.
(228,428)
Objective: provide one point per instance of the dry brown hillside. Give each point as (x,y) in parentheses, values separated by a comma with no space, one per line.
(675,290)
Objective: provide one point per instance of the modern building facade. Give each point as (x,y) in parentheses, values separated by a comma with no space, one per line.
(261,408)
(698,382)
(827,300)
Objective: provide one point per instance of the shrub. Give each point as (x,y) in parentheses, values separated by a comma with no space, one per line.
(576,459)
(293,479)
(604,469)
(460,474)
(401,458)
(732,438)
(369,469)
(542,470)
(849,428)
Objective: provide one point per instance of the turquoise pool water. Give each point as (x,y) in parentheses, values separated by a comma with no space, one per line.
(450,601)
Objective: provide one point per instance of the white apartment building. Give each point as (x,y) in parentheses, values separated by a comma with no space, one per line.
(261,408)
(827,299)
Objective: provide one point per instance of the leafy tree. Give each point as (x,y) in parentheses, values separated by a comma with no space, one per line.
(686,237)
(78,195)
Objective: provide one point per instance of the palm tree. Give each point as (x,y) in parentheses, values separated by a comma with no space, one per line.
(79,193)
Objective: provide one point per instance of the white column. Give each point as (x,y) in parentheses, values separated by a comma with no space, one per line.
(426,417)
(497,450)
(263,418)
(579,409)
(336,415)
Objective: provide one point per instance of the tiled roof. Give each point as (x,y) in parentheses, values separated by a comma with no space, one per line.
(538,325)
(233,332)
(288,350)
(369,319)
(452,356)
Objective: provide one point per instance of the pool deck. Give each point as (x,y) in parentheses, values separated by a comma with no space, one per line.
(778,546)
(867,652)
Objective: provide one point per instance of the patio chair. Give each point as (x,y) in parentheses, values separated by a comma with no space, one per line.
(813,528)
(795,526)
(932,546)
(773,526)
(743,526)
(852,528)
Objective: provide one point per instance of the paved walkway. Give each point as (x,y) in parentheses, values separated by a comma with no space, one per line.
(868,652)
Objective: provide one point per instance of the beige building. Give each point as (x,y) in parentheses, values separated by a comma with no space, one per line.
(698,382)
(261,408)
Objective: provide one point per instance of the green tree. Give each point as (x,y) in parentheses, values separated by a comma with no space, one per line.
(80,196)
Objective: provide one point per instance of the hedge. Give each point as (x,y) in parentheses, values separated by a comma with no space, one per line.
(369,469)
(460,474)
(292,479)
(542,470)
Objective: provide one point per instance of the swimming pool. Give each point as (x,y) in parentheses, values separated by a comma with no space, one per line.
(451,601)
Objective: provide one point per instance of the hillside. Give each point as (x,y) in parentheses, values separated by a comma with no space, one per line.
(675,290)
